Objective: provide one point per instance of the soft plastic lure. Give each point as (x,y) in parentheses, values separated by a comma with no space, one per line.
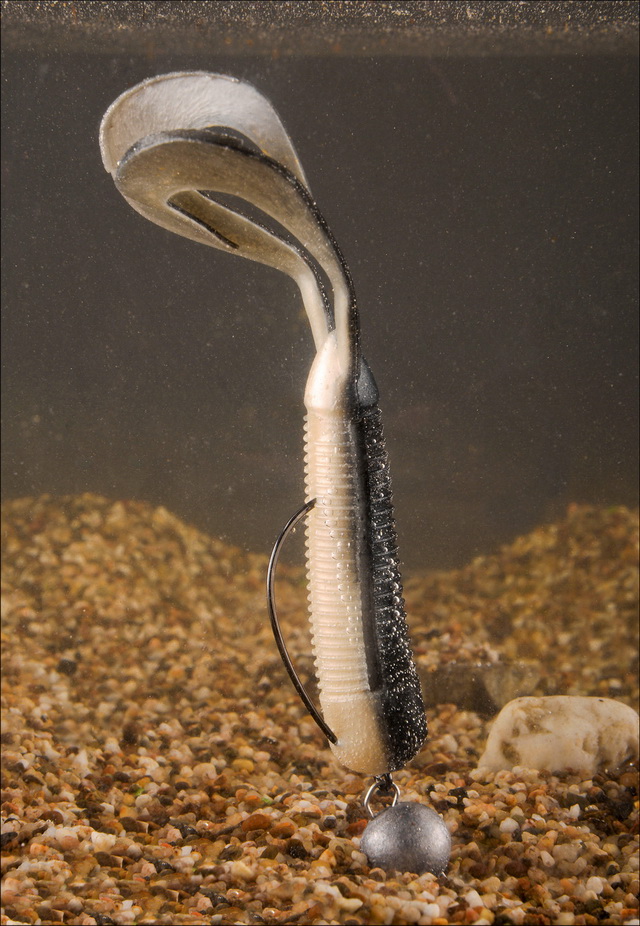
(178,146)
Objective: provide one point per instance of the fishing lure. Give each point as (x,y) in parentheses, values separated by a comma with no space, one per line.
(178,146)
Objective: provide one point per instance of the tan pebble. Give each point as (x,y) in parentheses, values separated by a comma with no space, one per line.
(9,807)
(356,828)
(10,861)
(595,884)
(68,842)
(567,885)
(283,828)
(236,896)
(629,779)
(252,798)
(257,821)
(103,841)
(473,899)
(37,848)
(243,765)
(491,885)
(205,827)
(233,915)
(485,917)
(326,859)
(508,826)
(128,810)
(202,903)
(82,866)
(548,840)
(566,852)
(265,861)
(241,870)
(12,888)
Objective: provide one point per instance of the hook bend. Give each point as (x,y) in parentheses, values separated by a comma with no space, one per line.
(275,624)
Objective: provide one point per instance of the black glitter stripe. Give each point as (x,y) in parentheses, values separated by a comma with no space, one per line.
(403,718)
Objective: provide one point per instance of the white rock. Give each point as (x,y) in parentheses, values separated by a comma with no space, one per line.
(595,884)
(562,732)
(473,899)
(103,841)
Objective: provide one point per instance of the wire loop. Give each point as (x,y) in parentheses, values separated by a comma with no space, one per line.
(382,784)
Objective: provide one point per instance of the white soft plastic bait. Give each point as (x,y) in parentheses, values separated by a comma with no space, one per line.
(178,147)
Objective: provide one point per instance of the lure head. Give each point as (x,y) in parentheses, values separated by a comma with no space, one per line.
(329,379)
(332,386)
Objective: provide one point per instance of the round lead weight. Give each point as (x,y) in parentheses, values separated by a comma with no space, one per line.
(407,837)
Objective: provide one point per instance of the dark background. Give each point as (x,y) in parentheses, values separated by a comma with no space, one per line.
(487,207)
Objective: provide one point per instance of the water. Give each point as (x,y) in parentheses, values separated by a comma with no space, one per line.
(486,209)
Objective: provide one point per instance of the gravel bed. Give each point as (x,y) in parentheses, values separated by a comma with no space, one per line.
(157,766)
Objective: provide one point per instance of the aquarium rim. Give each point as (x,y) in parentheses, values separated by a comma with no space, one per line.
(276,29)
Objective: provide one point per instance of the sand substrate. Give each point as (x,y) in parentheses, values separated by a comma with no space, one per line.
(158,767)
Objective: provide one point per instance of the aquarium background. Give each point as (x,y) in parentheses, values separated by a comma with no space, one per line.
(487,207)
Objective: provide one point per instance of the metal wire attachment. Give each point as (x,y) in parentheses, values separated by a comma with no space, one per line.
(382,784)
(275,624)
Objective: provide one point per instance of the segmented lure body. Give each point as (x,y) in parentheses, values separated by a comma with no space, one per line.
(369,691)
(172,144)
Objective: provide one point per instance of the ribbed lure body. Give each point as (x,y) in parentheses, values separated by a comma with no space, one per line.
(175,143)
(369,690)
